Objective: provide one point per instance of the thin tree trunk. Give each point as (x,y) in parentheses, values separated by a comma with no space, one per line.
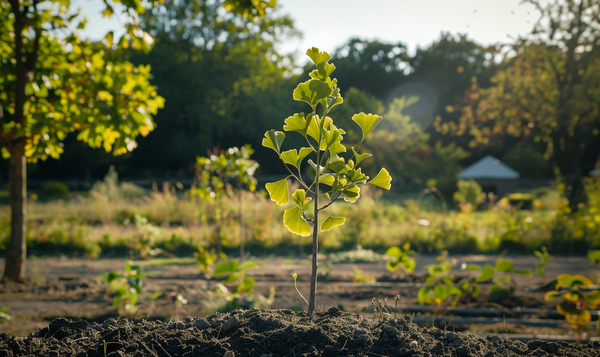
(17,249)
(315,266)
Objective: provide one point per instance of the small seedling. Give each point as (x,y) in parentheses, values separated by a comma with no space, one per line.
(544,258)
(439,287)
(4,314)
(579,295)
(235,274)
(327,166)
(216,176)
(127,287)
(296,286)
(205,259)
(402,259)
(503,285)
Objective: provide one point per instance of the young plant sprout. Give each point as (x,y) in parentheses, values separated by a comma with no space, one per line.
(341,177)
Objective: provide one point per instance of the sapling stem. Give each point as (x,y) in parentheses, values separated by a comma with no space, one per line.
(315,234)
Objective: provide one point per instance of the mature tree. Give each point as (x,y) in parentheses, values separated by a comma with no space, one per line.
(550,91)
(53,83)
(220,75)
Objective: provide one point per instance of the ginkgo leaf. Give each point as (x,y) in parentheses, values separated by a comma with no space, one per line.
(366,122)
(278,191)
(383,179)
(273,139)
(299,196)
(292,219)
(298,123)
(352,194)
(323,71)
(327,179)
(331,222)
(312,92)
(360,157)
(313,127)
(294,158)
(317,56)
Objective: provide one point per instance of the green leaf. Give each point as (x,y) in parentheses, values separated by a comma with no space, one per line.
(474,267)
(327,179)
(352,194)
(366,122)
(476,290)
(278,191)
(292,219)
(297,123)
(423,296)
(312,92)
(331,222)
(230,278)
(383,179)
(292,157)
(248,283)
(594,256)
(504,265)
(360,157)
(247,265)
(336,148)
(323,71)
(226,267)
(525,272)
(394,251)
(486,274)
(317,56)
(273,139)
(299,196)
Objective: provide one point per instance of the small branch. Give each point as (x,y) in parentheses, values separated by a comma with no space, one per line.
(304,217)
(330,202)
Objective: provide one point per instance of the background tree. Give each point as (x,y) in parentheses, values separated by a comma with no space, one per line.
(549,91)
(372,66)
(53,83)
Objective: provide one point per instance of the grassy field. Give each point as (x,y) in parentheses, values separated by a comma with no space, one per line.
(116,219)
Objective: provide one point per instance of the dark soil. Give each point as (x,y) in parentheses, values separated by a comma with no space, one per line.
(259,332)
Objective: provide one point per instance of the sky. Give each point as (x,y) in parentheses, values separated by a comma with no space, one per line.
(414,23)
(328,24)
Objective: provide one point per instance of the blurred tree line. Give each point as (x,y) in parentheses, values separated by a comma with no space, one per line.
(218,70)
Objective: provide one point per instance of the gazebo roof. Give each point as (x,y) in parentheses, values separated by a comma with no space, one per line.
(488,168)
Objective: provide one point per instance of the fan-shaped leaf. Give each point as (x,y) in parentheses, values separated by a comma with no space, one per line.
(366,122)
(331,222)
(278,191)
(273,139)
(292,219)
(317,56)
(383,179)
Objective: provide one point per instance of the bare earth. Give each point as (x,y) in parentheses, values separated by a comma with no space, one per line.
(72,288)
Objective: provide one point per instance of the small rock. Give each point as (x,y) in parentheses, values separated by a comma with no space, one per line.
(414,345)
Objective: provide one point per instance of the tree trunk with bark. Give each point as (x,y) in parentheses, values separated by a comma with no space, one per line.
(17,249)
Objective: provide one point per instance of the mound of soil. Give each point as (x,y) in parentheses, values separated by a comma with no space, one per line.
(263,333)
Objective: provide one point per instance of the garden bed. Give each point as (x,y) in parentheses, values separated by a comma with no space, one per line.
(72,288)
